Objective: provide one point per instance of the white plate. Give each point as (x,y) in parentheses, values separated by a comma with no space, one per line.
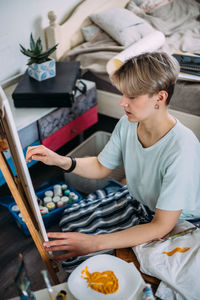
(128,276)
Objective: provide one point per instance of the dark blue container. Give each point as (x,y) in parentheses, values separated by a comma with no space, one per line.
(51,217)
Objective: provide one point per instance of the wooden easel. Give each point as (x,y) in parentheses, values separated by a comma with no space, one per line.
(18,185)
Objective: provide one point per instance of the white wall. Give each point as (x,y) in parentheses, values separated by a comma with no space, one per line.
(18,18)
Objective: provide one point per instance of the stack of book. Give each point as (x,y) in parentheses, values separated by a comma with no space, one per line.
(189,65)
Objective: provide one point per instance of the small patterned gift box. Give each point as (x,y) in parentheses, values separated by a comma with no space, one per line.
(42,71)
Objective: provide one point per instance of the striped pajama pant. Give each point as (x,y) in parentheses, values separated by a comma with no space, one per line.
(102,212)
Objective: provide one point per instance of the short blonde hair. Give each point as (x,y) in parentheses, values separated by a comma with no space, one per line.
(147,73)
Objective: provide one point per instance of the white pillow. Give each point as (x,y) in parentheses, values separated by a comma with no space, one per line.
(122,25)
(90,32)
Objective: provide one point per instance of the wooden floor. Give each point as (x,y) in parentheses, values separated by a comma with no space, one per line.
(13,241)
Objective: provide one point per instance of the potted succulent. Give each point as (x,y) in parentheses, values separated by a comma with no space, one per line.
(40,65)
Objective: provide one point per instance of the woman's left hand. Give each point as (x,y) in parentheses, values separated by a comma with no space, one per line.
(74,243)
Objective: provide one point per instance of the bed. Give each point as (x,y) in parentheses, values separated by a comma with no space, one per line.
(178,20)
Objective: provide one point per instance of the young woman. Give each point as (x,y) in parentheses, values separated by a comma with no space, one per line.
(160,155)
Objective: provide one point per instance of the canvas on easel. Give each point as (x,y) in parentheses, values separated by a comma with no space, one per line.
(21,186)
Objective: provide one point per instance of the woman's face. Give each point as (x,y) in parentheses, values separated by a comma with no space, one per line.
(139,108)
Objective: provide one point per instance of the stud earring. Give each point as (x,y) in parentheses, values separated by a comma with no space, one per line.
(156,106)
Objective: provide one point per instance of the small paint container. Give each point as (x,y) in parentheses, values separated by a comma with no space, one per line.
(40,202)
(64,187)
(66,192)
(15,208)
(49,193)
(56,199)
(61,295)
(60,204)
(43,210)
(147,293)
(57,190)
(64,199)
(47,200)
(51,206)
(73,196)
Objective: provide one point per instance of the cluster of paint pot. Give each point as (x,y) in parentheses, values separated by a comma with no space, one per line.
(15,208)
(56,198)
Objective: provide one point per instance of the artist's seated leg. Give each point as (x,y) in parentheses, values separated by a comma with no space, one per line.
(104,211)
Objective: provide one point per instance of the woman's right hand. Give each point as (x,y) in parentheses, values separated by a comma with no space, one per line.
(44,155)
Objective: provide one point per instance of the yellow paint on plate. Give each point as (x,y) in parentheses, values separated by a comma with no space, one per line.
(102,282)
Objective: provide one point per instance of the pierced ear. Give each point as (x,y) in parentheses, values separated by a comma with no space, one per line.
(162,96)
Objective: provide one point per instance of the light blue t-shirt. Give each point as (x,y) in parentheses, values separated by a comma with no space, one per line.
(165,175)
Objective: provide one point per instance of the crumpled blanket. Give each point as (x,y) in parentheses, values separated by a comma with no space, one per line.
(179,21)
(94,55)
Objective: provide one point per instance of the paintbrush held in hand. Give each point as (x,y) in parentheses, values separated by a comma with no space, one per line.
(173,236)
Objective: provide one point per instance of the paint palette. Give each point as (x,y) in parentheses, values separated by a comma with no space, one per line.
(129,278)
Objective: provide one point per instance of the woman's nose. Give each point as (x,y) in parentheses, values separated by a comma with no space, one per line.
(123,102)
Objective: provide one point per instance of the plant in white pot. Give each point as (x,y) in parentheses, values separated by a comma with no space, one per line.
(40,65)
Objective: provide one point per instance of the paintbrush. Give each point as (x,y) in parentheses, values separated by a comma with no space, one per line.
(48,285)
(173,236)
